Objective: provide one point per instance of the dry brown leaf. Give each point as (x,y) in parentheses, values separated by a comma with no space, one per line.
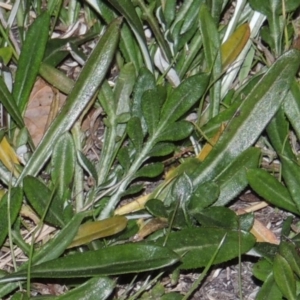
(44,104)
(259,230)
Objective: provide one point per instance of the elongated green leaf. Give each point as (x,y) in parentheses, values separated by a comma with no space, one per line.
(50,250)
(234,178)
(135,133)
(269,290)
(87,84)
(291,107)
(252,116)
(39,196)
(10,105)
(169,10)
(184,97)
(289,253)
(98,288)
(151,106)
(130,48)
(196,245)
(56,78)
(284,277)
(222,217)
(270,189)
(145,81)
(211,46)
(127,9)
(162,149)
(63,165)
(203,196)
(87,165)
(211,40)
(56,50)
(213,126)
(29,61)
(15,202)
(120,259)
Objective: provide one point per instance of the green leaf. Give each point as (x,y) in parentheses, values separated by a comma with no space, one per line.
(204,195)
(98,288)
(196,245)
(15,203)
(184,97)
(40,198)
(56,49)
(63,165)
(251,118)
(56,78)
(145,81)
(211,46)
(270,189)
(234,178)
(135,133)
(181,189)
(51,250)
(221,217)
(8,101)
(284,277)
(6,54)
(87,165)
(151,106)
(291,107)
(30,59)
(289,253)
(124,158)
(127,9)
(150,170)
(87,84)
(175,132)
(269,290)
(130,48)
(169,11)
(262,269)
(156,208)
(213,125)
(162,149)
(114,260)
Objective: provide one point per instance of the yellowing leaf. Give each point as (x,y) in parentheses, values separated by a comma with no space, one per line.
(150,227)
(8,156)
(6,54)
(208,146)
(94,230)
(135,205)
(233,46)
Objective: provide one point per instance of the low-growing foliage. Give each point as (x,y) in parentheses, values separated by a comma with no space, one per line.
(158,81)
